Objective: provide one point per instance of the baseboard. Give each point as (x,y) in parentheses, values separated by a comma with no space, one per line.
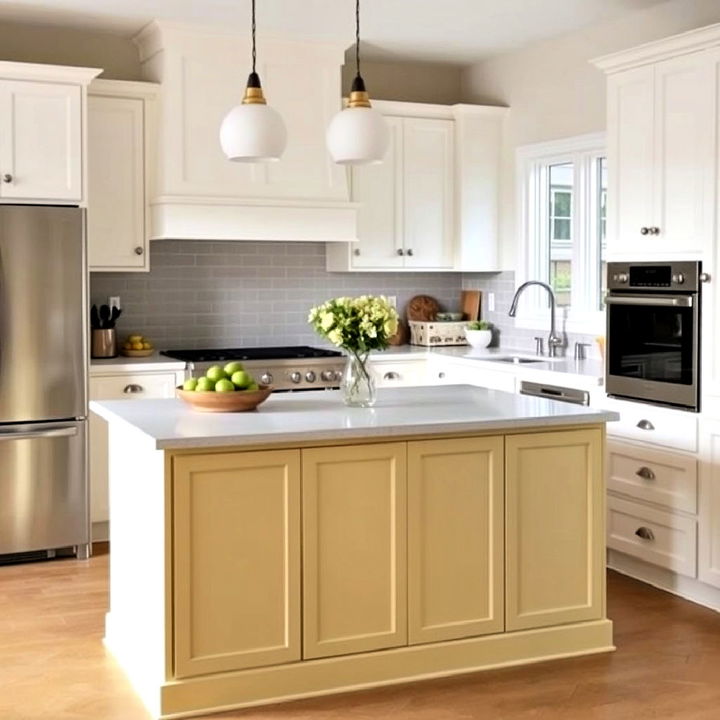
(226,691)
(684,587)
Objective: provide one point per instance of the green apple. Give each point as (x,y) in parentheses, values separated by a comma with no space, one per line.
(224,385)
(233,367)
(252,387)
(241,379)
(205,384)
(215,373)
(190,384)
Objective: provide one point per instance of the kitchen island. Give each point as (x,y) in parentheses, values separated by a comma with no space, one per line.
(309,548)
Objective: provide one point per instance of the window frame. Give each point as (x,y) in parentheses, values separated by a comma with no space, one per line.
(533,170)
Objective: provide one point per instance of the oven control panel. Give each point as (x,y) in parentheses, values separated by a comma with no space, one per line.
(654,276)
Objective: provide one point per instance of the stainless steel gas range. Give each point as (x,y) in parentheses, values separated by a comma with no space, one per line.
(285,368)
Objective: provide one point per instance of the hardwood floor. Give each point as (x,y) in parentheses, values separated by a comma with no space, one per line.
(53,665)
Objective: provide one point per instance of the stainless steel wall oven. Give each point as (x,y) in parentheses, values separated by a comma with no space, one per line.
(653,333)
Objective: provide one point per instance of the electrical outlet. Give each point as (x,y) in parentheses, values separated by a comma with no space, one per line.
(392,299)
(114,301)
(491,302)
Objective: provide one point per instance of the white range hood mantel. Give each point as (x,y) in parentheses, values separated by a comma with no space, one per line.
(199,194)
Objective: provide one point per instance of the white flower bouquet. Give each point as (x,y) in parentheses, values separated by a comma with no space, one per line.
(357,325)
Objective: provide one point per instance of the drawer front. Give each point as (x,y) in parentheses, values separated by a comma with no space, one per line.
(644,423)
(654,536)
(654,476)
(133,386)
(398,374)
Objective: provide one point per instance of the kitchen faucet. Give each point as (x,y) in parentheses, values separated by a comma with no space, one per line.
(554,340)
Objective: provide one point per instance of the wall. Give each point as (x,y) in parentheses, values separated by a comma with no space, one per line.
(554,92)
(68,46)
(408,82)
(211,294)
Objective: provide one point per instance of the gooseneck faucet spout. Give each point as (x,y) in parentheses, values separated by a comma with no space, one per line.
(554,340)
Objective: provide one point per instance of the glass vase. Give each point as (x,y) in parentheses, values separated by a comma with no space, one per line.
(358,385)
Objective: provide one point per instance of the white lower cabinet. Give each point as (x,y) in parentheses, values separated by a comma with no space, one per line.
(709,538)
(399,373)
(119,386)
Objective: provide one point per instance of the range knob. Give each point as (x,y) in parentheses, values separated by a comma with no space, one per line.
(327,375)
(622,278)
(338,375)
(679,278)
(266,378)
(310,376)
(296,377)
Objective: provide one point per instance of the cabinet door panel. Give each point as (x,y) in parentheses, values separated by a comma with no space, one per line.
(354,549)
(709,525)
(455,538)
(116,190)
(428,192)
(684,154)
(554,528)
(378,188)
(236,560)
(41,141)
(630,169)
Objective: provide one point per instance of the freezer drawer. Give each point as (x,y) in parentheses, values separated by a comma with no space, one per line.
(43,486)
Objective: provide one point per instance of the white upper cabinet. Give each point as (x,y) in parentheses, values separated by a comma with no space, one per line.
(661,152)
(120,116)
(41,133)
(200,193)
(432,204)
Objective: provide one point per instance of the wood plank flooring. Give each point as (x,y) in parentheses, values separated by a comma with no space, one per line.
(53,665)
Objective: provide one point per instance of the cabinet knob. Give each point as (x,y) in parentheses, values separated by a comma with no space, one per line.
(391,376)
(441,375)
(644,231)
(400,251)
(645,533)
(356,252)
(133,389)
(139,250)
(7,178)
(410,252)
(654,230)
(645,473)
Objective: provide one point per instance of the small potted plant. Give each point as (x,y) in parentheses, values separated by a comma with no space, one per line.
(479,333)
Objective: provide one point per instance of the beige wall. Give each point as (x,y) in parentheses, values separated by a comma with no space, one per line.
(409,82)
(68,46)
(554,92)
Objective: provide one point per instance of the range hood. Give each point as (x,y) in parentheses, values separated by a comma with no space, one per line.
(199,194)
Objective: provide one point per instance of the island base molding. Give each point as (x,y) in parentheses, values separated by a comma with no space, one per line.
(284,683)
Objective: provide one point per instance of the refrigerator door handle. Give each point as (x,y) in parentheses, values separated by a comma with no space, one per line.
(26,434)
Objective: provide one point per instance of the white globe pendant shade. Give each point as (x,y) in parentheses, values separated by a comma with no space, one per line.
(253,132)
(358,136)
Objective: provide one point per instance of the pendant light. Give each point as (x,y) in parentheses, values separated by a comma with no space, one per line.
(253,131)
(358,135)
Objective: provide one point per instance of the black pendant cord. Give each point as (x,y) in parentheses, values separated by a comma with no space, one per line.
(357,37)
(254,55)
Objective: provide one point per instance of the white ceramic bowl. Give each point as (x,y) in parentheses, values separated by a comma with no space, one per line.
(479,338)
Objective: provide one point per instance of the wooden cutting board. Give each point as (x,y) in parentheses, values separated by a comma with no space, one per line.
(422,308)
(471,304)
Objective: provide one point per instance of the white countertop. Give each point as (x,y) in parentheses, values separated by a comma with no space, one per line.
(589,373)
(122,364)
(317,416)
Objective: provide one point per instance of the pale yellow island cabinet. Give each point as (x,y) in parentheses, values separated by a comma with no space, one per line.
(288,555)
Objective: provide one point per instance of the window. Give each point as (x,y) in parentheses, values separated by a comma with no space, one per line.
(563,191)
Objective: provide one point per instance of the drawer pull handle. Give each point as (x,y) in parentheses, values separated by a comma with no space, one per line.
(391,376)
(645,473)
(645,533)
(645,425)
(133,389)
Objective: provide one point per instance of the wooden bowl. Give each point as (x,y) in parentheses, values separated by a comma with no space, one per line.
(225,402)
(136,353)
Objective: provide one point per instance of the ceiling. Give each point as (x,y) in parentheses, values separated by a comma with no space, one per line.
(452,31)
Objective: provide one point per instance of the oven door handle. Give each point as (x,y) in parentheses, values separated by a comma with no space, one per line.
(651,301)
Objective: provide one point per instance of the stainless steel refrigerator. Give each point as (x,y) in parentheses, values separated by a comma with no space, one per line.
(43,380)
